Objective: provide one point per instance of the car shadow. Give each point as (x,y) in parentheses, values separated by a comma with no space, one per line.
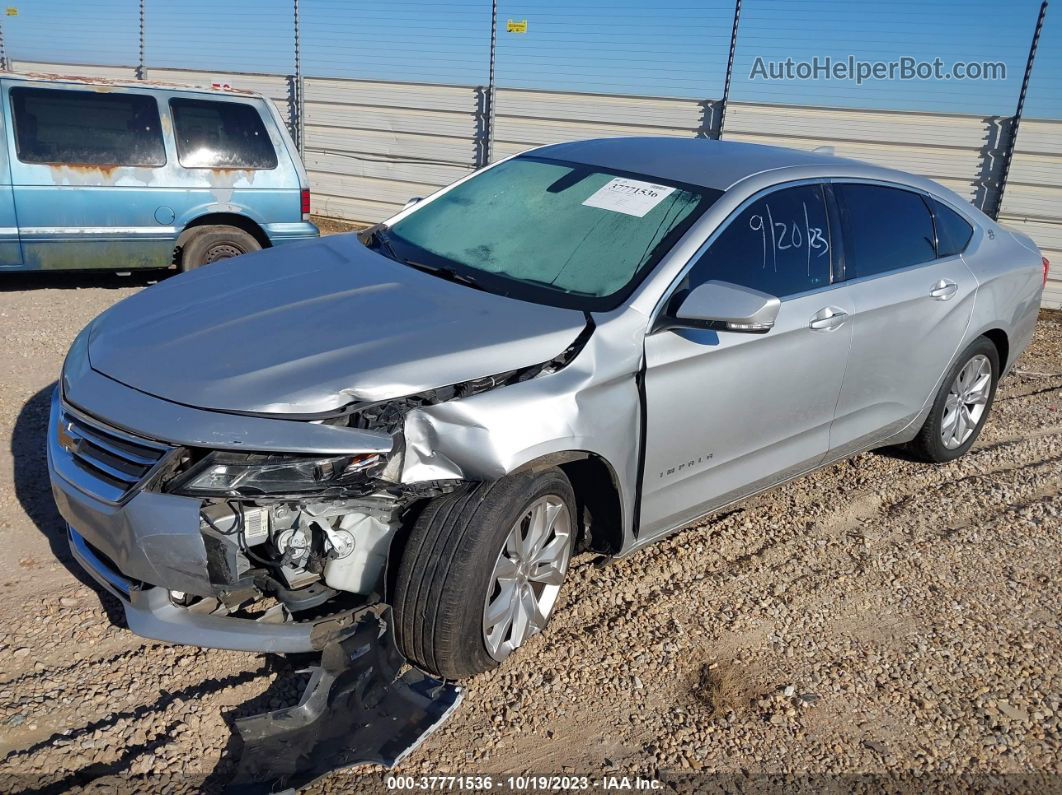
(78,280)
(34,494)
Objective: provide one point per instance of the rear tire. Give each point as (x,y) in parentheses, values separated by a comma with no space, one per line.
(202,245)
(448,573)
(962,405)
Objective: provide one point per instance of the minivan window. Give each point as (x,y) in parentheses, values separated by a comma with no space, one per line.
(213,134)
(780,244)
(551,231)
(886,229)
(99,128)
(953,231)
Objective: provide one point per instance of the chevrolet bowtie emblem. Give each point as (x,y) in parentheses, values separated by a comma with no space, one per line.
(67,438)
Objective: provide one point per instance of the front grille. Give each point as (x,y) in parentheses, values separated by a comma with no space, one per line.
(113,462)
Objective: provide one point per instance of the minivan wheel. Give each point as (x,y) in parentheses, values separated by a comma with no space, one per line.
(482,570)
(202,245)
(962,405)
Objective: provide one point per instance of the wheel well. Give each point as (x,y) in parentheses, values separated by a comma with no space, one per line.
(598,503)
(999,339)
(597,499)
(224,219)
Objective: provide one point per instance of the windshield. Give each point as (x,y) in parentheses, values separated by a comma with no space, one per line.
(554,232)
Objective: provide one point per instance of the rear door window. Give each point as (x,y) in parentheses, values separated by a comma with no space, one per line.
(886,229)
(953,231)
(96,128)
(779,245)
(214,134)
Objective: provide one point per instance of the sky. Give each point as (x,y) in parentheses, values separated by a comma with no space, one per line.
(661,48)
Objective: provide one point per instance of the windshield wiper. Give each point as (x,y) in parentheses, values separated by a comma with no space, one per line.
(443,272)
(382,241)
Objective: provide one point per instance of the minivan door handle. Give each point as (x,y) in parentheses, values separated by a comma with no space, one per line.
(827,319)
(944,289)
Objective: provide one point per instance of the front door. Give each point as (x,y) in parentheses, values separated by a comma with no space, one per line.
(912,300)
(729,413)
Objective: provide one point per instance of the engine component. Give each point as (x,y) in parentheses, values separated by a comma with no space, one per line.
(342,543)
(359,570)
(295,546)
(255,526)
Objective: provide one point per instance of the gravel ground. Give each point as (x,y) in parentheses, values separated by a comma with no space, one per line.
(877,617)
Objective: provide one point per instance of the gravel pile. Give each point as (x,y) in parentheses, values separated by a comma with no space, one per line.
(878,617)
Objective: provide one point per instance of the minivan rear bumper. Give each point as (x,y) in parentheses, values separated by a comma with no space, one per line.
(290,232)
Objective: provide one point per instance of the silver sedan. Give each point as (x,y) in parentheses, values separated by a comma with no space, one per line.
(586,346)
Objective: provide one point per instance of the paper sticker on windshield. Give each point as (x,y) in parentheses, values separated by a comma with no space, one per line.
(629,196)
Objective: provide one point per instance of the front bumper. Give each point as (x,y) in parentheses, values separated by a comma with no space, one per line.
(363,704)
(141,545)
(150,613)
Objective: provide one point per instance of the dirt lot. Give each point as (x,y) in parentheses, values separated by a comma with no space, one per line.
(878,617)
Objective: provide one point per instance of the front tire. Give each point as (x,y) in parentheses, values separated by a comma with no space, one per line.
(482,570)
(962,405)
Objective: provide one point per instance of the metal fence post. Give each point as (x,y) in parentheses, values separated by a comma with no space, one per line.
(140,66)
(299,102)
(729,69)
(489,149)
(1008,154)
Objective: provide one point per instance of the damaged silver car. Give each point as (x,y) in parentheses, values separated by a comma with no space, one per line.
(586,346)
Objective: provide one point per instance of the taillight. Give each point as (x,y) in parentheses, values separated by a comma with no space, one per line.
(305,197)
(1047,268)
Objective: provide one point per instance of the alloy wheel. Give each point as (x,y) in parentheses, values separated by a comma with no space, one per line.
(965,405)
(527,576)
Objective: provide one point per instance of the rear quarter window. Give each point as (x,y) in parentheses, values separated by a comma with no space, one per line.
(885,229)
(953,231)
(98,128)
(218,134)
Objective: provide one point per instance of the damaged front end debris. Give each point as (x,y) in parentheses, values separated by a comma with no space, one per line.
(363,704)
(267,526)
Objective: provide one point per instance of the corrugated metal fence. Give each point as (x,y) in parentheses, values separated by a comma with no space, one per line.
(371,145)
(1032,201)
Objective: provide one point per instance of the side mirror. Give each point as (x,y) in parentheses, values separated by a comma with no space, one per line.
(412,200)
(726,307)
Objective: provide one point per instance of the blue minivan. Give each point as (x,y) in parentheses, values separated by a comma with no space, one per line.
(100,174)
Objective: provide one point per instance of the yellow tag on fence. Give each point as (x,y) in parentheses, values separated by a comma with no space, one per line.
(516,26)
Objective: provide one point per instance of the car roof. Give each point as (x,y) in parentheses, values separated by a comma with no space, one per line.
(698,161)
(110,82)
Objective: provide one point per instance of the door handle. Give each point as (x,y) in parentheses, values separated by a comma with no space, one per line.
(944,290)
(827,319)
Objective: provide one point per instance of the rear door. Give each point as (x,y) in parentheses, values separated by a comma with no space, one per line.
(10,249)
(912,298)
(729,413)
(85,167)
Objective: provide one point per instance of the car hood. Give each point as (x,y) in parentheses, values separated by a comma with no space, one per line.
(309,327)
